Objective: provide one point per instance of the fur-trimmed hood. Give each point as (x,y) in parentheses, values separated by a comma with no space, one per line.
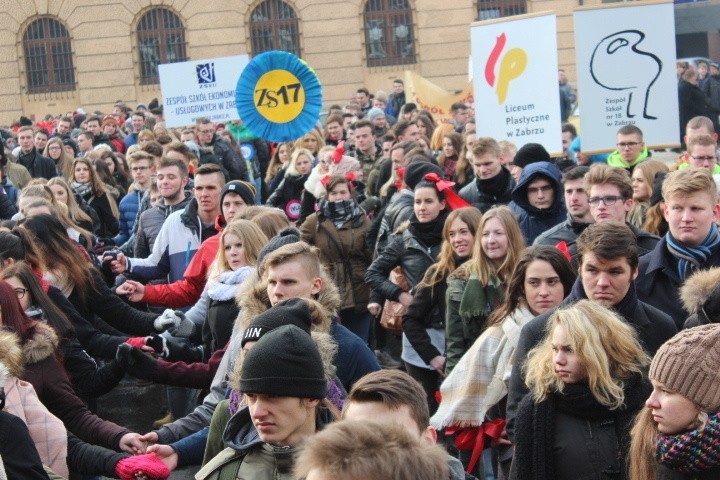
(41,345)
(253,300)
(698,288)
(11,357)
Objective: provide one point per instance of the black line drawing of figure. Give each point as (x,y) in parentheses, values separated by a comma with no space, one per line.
(609,68)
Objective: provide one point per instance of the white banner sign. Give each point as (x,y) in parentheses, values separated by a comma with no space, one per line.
(515,77)
(201,88)
(625,59)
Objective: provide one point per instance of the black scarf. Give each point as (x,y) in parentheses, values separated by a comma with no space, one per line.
(496,186)
(340,212)
(626,306)
(428,233)
(535,424)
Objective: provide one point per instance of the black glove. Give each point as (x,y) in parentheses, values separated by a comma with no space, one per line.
(159,344)
(137,363)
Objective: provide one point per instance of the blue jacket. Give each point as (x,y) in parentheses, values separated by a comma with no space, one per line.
(128,209)
(176,244)
(534,221)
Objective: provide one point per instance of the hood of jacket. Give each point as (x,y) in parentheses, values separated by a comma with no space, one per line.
(615,159)
(190,219)
(11,357)
(530,173)
(42,344)
(252,298)
(168,209)
(697,289)
(240,433)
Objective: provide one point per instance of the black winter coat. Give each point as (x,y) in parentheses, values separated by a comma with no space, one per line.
(658,282)
(219,151)
(407,252)
(87,377)
(90,459)
(38,165)
(427,310)
(397,211)
(653,327)
(97,343)
(7,209)
(102,302)
(483,198)
(693,103)
(17,450)
(287,195)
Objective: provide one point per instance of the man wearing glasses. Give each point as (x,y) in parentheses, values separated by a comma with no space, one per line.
(142,169)
(214,149)
(631,149)
(702,153)
(610,197)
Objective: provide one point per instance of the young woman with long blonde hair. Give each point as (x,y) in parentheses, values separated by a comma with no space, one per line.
(586,381)
(476,288)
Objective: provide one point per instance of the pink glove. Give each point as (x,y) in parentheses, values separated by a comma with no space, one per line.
(149,465)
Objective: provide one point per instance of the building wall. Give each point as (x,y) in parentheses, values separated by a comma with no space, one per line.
(332,42)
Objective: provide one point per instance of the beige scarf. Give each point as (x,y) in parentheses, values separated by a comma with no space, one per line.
(479,380)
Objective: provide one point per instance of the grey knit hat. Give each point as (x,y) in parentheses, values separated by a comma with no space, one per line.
(689,363)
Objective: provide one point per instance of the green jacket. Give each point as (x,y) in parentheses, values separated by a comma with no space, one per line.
(616,160)
(461,331)
(716,168)
(247,457)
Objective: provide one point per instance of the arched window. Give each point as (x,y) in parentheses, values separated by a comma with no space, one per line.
(161,39)
(389,37)
(274,26)
(488,9)
(48,57)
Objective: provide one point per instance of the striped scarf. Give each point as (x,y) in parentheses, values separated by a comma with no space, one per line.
(694,451)
(693,258)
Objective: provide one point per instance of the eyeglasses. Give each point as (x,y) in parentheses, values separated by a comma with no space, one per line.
(628,144)
(20,292)
(138,169)
(54,147)
(706,158)
(608,200)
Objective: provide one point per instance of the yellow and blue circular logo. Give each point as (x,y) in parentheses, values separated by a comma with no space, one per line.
(278,96)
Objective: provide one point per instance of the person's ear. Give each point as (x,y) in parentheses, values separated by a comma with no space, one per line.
(317,286)
(628,204)
(430,435)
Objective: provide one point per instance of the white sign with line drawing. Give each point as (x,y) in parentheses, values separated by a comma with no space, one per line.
(625,57)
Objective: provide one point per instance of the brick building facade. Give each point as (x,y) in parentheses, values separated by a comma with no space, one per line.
(56,55)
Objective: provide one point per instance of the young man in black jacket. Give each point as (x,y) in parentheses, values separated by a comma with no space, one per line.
(608,257)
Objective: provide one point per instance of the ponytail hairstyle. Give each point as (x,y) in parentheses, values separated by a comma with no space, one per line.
(19,245)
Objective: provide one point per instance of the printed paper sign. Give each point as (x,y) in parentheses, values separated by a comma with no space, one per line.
(514,62)
(202,88)
(625,57)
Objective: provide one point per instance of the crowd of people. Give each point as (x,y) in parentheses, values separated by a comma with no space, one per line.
(388,296)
